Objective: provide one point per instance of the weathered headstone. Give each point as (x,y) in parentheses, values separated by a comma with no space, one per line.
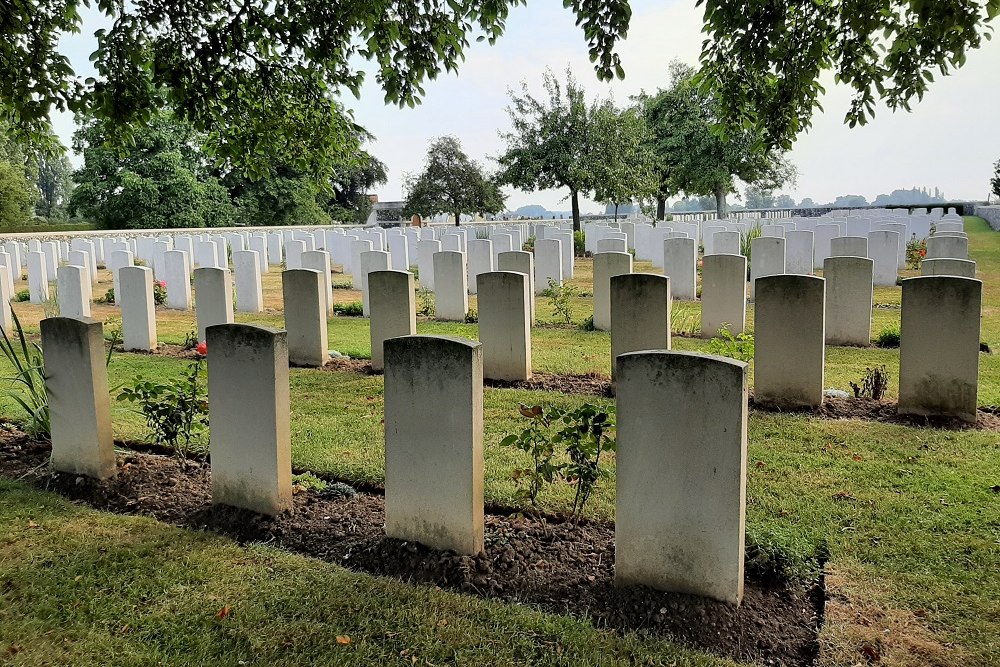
(849,281)
(939,347)
(946,266)
(38,277)
(505,325)
(789,340)
(606,266)
(249,408)
(680,500)
(138,309)
(548,264)
(305,317)
(480,260)
(451,292)
(882,249)
(73,289)
(76,384)
(393,309)
(849,246)
(434,456)
(951,247)
(374,260)
(679,264)
(213,290)
(319,260)
(640,314)
(723,294)
(521,262)
(767,258)
(799,252)
(425,261)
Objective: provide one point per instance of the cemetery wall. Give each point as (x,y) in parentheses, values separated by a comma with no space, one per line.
(991,214)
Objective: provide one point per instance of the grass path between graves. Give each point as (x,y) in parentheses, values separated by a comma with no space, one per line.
(79,587)
(908,516)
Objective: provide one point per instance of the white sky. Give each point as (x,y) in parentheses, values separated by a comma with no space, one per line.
(950,140)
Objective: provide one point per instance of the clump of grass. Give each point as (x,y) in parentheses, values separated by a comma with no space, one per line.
(888,337)
(349,309)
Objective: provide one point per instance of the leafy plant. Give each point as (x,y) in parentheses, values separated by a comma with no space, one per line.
(176,411)
(873,384)
(472,316)
(190,340)
(159,292)
(112,334)
(344,284)
(684,321)
(529,244)
(726,344)
(28,381)
(536,441)
(588,324)
(349,309)
(916,250)
(560,296)
(888,337)
(579,244)
(21,296)
(109,296)
(583,433)
(425,302)
(307,482)
(747,237)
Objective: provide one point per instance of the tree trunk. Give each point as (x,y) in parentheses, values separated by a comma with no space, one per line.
(576,210)
(457,220)
(616,212)
(661,208)
(720,203)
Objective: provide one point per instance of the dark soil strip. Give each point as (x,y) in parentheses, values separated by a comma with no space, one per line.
(559,567)
(596,385)
(885,411)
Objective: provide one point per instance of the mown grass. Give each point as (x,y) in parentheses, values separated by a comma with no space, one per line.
(78,587)
(908,517)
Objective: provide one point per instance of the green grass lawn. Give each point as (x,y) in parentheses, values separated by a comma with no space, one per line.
(78,587)
(907,516)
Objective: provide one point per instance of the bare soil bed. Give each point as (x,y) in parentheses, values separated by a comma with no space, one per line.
(557,566)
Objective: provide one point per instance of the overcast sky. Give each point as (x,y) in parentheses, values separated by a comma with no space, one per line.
(950,140)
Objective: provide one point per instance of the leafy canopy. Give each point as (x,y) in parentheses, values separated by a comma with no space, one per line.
(763,59)
(259,76)
(163,180)
(565,141)
(451,183)
(692,156)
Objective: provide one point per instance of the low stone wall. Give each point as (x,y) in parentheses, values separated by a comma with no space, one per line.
(989,213)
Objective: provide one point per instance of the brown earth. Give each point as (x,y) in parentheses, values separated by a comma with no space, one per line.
(558,566)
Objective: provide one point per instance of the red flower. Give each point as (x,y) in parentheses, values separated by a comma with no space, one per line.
(201,348)
(163,284)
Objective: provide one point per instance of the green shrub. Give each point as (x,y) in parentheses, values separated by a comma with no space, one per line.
(344,284)
(22,295)
(472,316)
(176,412)
(588,324)
(349,309)
(307,482)
(739,347)
(159,292)
(584,433)
(888,337)
(425,302)
(28,381)
(561,298)
(579,244)
(109,296)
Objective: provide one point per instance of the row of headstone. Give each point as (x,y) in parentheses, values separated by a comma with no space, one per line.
(689,456)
